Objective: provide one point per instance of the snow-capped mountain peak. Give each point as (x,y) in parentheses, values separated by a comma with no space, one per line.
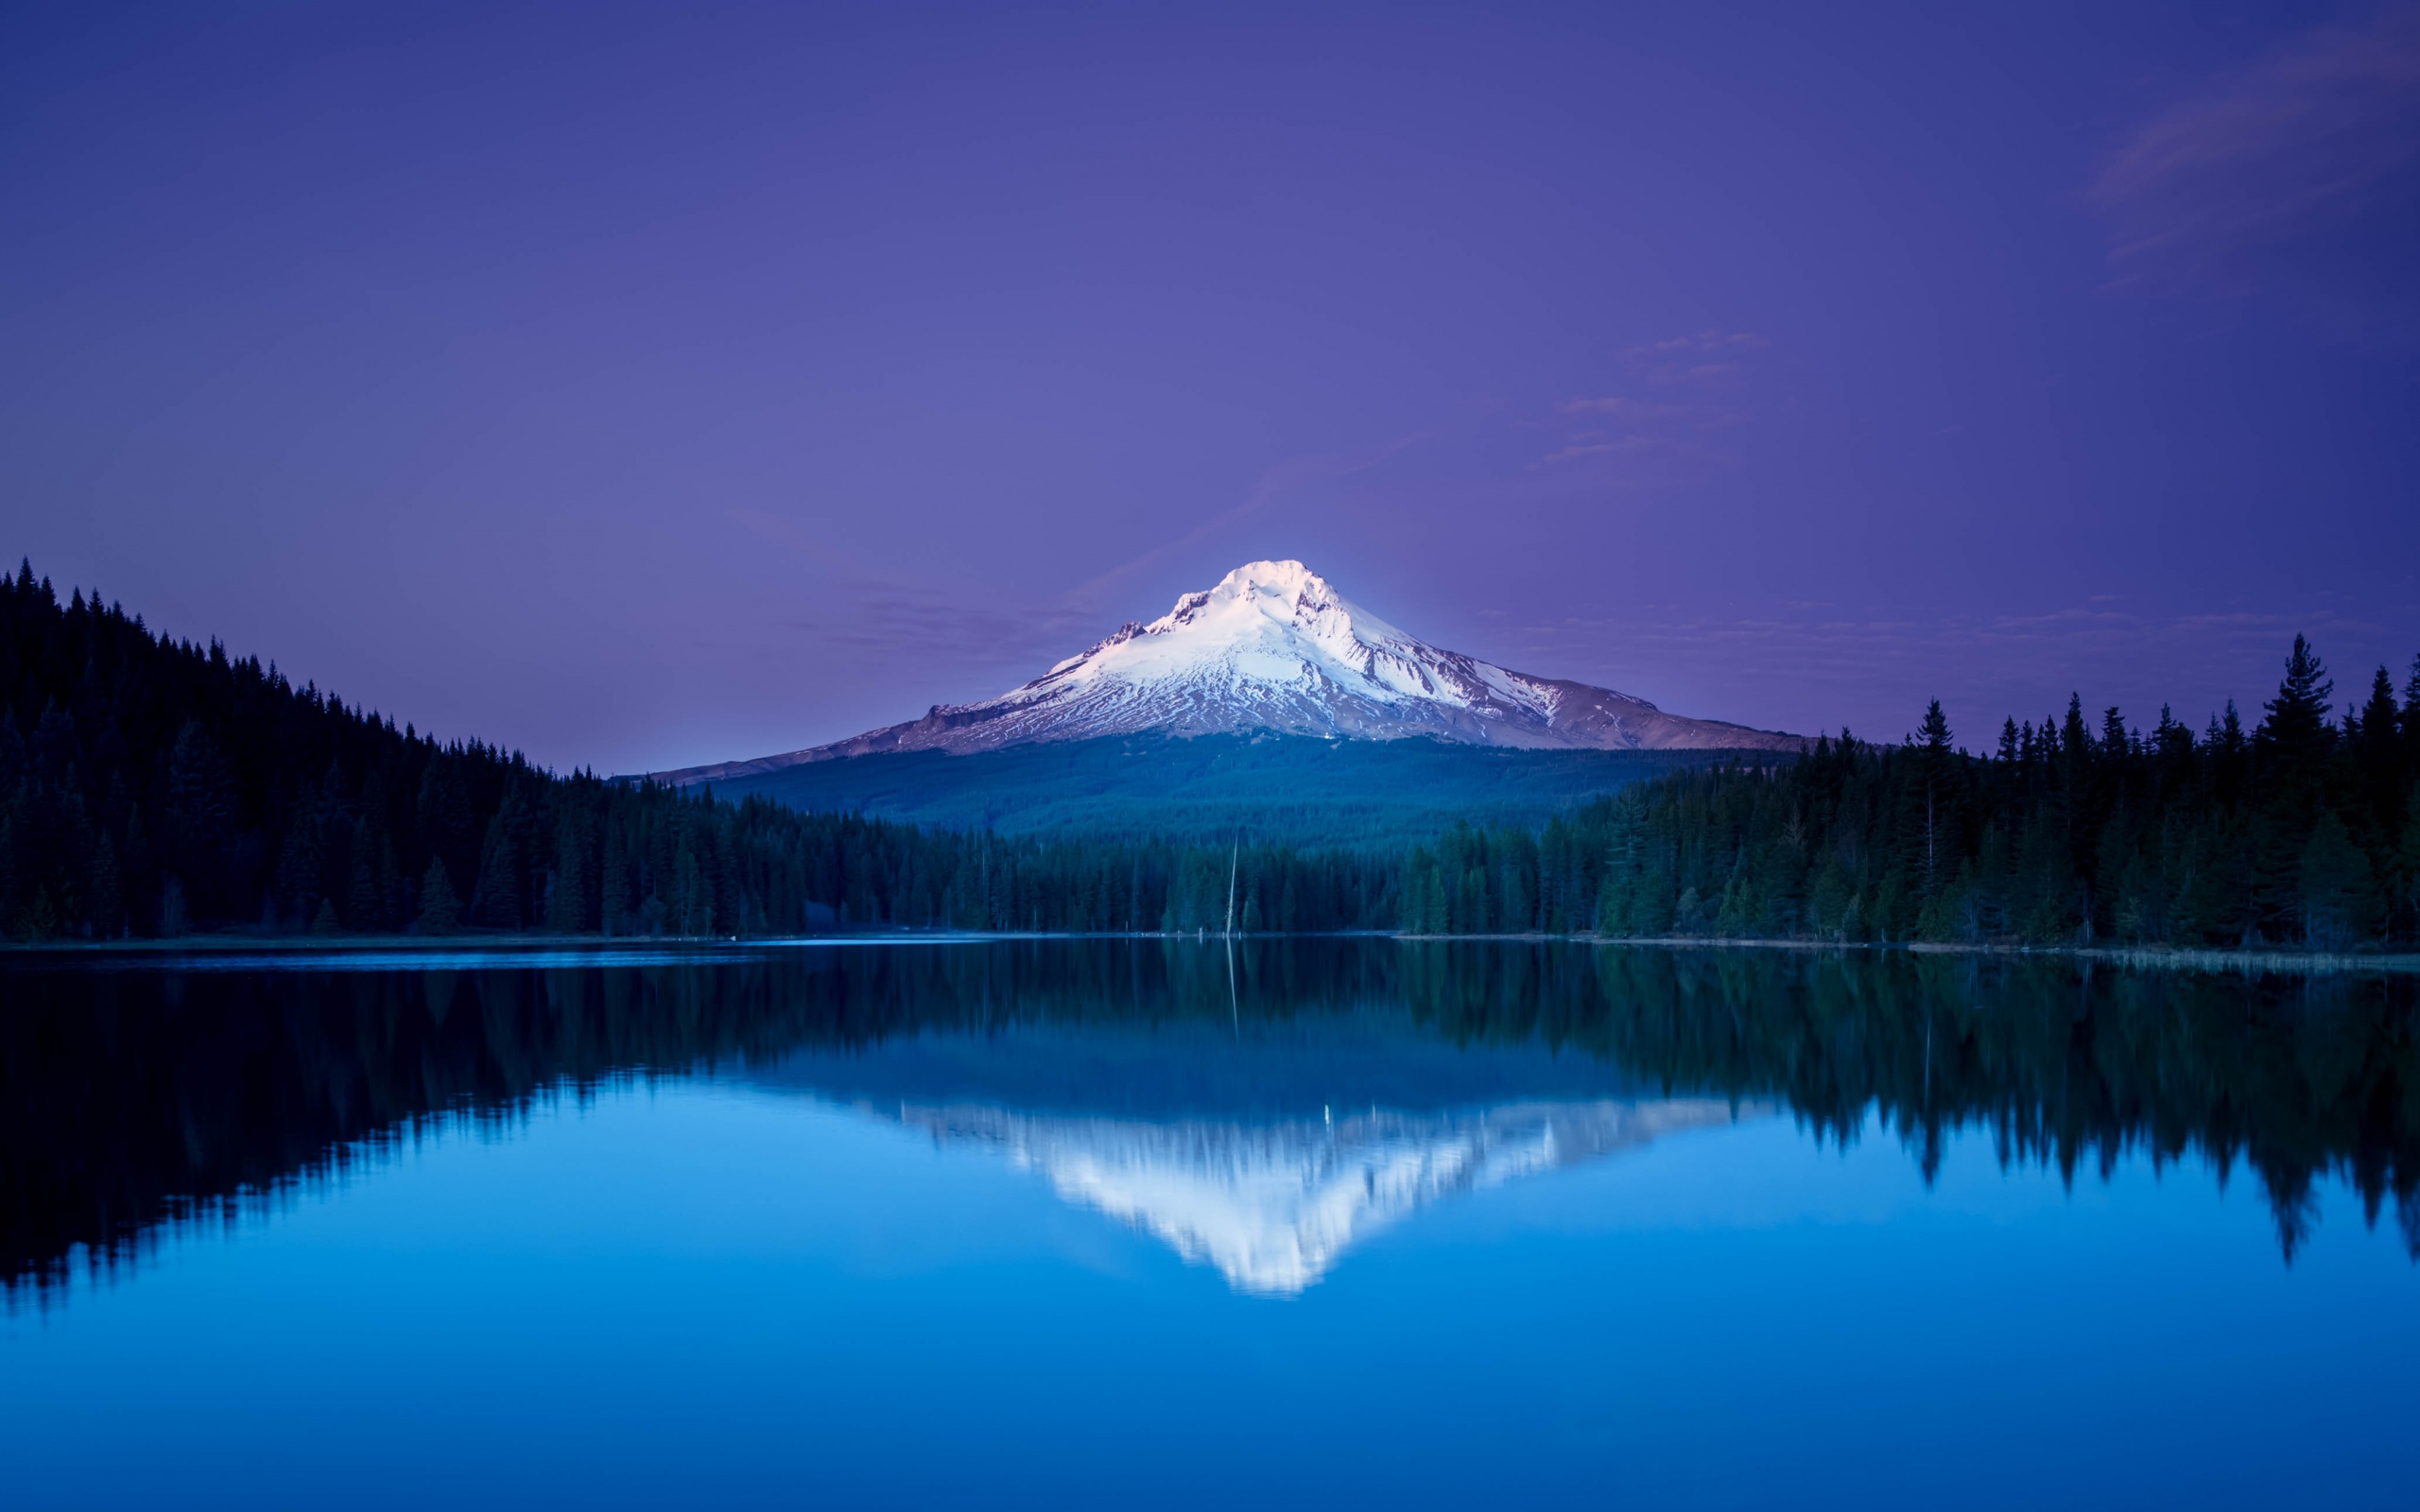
(1272,635)
(1274,646)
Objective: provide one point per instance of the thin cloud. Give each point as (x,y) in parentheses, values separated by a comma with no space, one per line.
(1697,382)
(2304,169)
(1705,357)
(884,619)
(929,625)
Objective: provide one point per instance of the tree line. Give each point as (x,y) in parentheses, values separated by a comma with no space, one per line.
(130,1102)
(150,786)
(2303,831)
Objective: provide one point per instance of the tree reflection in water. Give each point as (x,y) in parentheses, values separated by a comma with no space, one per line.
(137,1102)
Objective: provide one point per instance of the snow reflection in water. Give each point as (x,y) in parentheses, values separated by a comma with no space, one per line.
(1275,1207)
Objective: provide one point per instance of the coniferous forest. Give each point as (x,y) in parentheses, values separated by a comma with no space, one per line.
(153,787)
(2301,831)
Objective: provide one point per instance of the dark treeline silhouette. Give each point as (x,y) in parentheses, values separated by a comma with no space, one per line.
(2302,830)
(149,787)
(134,1101)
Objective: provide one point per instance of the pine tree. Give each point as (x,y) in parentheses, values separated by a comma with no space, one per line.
(365,900)
(2291,750)
(440,910)
(108,907)
(567,900)
(201,815)
(614,889)
(173,919)
(299,871)
(2340,901)
(1932,768)
(691,904)
(2297,736)
(446,823)
(496,900)
(2412,720)
(2407,869)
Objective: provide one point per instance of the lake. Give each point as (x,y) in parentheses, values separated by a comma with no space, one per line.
(1298,1223)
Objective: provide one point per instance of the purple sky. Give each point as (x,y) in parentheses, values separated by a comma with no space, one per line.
(649,386)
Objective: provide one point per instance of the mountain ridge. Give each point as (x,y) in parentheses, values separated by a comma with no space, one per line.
(1206,789)
(1274,646)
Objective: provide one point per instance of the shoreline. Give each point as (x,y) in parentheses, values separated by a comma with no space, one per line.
(2306,962)
(2169,958)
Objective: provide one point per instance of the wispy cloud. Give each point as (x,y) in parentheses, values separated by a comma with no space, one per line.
(2305,166)
(1707,356)
(921,624)
(887,619)
(1677,395)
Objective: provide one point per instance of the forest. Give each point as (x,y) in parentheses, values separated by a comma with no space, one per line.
(193,1097)
(2301,831)
(154,787)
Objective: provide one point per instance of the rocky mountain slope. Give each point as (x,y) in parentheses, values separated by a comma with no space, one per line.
(1274,646)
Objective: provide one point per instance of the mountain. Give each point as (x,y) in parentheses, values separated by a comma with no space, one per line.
(1265,1148)
(1207,790)
(1275,648)
(1273,1207)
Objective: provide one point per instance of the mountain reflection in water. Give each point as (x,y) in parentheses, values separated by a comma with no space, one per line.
(1261,1125)
(1264,1149)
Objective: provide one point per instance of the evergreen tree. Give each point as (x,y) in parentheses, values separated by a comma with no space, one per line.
(614,898)
(496,901)
(151,785)
(108,897)
(365,897)
(2412,720)
(2291,750)
(567,909)
(2406,874)
(2340,901)
(1932,751)
(173,919)
(440,910)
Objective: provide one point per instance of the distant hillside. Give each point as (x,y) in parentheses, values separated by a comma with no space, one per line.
(1268,788)
(153,787)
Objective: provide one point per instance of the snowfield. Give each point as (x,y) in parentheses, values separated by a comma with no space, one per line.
(1275,646)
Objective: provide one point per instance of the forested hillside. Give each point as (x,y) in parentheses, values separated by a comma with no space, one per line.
(2301,831)
(1299,790)
(152,787)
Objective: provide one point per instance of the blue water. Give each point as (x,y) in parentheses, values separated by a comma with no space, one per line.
(838,1267)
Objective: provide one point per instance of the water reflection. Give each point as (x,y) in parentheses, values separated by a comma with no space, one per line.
(1262,1126)
(1265,1149)
(1275,1207)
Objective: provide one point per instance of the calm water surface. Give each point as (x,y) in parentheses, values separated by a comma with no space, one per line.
(1145,1223)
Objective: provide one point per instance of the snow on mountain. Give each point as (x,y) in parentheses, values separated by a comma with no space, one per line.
(1275,646)
(1274,1205)
(1265,1146)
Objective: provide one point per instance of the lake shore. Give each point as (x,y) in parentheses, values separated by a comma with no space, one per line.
(2164,957)
(2170,958)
